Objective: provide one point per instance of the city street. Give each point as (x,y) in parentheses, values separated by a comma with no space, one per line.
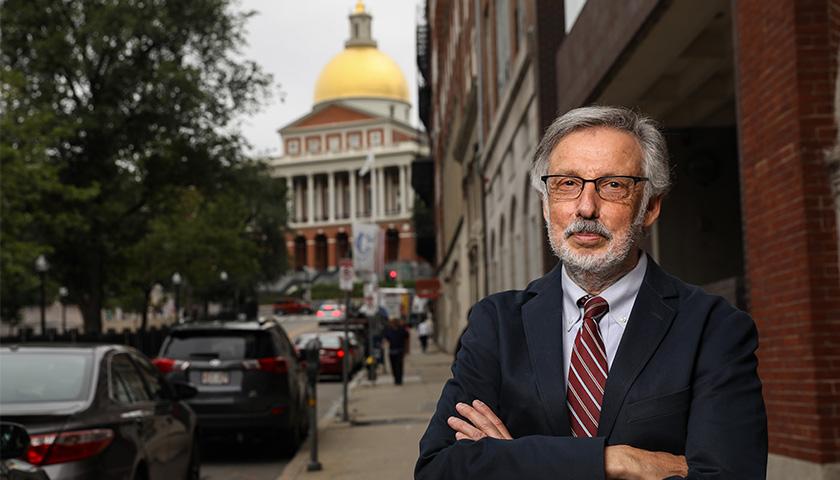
(241,459)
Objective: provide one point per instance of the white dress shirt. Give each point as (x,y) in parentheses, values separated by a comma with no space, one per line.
(620,296)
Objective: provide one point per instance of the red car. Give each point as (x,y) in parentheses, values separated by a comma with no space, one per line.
(292,305)
(330,354)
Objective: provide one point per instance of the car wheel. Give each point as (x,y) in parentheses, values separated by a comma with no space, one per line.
(140,473)
(307,311)
(194,468)
(290,440)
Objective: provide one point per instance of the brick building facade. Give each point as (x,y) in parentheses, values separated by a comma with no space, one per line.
(745,91)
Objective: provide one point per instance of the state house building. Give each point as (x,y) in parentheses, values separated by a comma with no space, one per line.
(360,112)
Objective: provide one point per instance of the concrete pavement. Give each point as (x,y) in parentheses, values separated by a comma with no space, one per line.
(386,423)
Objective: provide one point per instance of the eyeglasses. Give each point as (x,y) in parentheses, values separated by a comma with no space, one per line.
(612,188)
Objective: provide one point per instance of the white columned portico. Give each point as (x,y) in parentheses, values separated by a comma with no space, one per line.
(310,198)
(331,195)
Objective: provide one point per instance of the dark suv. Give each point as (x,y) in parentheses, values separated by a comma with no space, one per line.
(248,377)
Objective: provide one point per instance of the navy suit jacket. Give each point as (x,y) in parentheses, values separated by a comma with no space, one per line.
(684,380)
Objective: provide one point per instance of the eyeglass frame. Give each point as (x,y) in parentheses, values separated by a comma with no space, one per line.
(594,181)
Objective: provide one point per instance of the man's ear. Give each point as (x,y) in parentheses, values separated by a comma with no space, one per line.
(544,207)
(652,211)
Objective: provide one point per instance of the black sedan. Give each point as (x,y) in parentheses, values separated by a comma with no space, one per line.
(98,412)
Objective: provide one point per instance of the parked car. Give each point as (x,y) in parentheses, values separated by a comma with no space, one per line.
(14,442)
(99,411)
(248,376)
(330,314)
(330,353)
(292,305)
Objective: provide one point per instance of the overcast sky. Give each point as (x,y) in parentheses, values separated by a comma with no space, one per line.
(294,40)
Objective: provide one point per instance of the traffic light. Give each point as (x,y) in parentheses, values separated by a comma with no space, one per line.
(392,275)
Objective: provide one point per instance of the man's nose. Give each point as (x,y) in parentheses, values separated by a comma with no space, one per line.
(588,201)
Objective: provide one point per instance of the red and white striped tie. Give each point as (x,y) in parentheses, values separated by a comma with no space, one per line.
(588,370)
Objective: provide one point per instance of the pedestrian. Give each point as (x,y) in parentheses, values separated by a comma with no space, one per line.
(659,379)
(424,331)
(396,336)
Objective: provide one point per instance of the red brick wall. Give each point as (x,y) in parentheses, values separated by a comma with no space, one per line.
(786,59)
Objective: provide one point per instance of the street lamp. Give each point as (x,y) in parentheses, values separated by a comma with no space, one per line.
(63,292)
(41,265)
(176,280)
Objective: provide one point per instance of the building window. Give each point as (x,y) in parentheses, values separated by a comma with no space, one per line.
(375,138)
(334,144)
(314,144)
(293,147)
(354,140)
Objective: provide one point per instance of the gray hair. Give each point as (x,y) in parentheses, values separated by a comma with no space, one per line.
(646,131)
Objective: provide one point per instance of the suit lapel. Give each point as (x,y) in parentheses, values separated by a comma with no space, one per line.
(543,322)
(649,321)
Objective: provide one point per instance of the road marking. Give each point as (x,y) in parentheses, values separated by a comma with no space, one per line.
(303,329)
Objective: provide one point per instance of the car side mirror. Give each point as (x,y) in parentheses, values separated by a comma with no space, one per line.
(14,440)
(184,390)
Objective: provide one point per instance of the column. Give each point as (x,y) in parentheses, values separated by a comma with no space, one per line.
(310,198)
(403,187)
(290,198)
(331,196)
(352,175)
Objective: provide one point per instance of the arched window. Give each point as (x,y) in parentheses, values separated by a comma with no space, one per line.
(321,256)
(342,245)
(300,252)
(392,245)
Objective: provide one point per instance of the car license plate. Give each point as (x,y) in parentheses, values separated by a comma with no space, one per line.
(215,378)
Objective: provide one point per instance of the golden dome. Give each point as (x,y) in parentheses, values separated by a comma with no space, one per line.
(361,71)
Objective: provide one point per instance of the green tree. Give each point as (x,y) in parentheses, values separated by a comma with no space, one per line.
(142,95)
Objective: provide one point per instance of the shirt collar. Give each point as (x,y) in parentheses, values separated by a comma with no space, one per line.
(620,296)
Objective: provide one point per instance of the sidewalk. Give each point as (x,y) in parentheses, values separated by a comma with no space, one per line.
(386,423)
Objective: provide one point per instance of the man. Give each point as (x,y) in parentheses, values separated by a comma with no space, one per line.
(606,367)
(396,336)
(424,331)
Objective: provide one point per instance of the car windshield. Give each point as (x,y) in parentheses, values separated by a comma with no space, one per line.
(330,306)
(44,377)
(223,345)
(327,341)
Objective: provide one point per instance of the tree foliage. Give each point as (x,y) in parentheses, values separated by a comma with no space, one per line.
(117,119)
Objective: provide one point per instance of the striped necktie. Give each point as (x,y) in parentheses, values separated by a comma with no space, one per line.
(588,370)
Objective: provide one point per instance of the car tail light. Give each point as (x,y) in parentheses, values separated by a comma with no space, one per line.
(268,364)
(336,313)
(54,448)
(320,313)
(166,365)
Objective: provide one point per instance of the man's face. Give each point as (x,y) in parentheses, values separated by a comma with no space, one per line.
(589,234)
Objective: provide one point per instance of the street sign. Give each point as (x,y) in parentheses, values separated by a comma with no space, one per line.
(428,288)
(345,274)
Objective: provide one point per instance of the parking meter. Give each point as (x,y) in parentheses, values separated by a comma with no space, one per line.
(313,359)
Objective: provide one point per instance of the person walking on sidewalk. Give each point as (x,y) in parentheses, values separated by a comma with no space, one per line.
(396,336)
(424,331)
(658,379)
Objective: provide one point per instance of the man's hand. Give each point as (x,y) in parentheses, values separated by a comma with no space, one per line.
(485,423)
(623,462)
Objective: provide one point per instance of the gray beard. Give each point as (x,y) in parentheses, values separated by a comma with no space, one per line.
(596,271)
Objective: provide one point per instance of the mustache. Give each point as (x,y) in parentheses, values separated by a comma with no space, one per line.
(583,225)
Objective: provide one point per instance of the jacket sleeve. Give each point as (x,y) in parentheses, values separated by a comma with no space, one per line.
(727,423)
(534,453)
